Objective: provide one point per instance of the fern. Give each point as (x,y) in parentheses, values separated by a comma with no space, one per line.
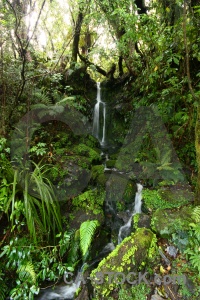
(41,97)
(87,230)
(196,214)
(27,273)
(3,289)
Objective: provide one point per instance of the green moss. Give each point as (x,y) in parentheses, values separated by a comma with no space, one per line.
(98,175)
(110,163)
(136,218)
(126,257)
(90,201)
(166,198)
(168,221)
(117,184)
(90,153)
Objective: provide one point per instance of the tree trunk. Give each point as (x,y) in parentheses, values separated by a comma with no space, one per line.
(197,146)
(77,31)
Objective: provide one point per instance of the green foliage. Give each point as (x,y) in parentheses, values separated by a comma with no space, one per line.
(139,291)
(40,206)
(3,287)
(32,264)
(163,169)
(91,201)
(196,214)
(83,149)
(154,199)
(27,272)
(192,251)
(39,149)
(87,231)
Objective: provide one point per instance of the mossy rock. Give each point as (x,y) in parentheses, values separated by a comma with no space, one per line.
(165,222)
(98,176)
(175,194)
(90,141)
(121,189)
(127,257)
(141,221)
(168,197)
(91,154)
(110,163)
(80,215)
(90,201)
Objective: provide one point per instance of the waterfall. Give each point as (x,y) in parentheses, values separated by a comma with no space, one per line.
(99,114)
(62,292)
(124,230)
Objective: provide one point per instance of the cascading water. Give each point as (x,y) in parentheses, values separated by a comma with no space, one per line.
(124,230)
(99,109)
(62,292)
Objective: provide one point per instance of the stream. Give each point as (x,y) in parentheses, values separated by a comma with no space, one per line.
(67,291)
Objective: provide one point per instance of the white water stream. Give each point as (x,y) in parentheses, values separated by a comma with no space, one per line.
(124,230)
(99,131)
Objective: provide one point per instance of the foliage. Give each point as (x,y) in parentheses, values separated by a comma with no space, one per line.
(91,201)
(154,199)
(3,287)
(32,264)
(87,230)
(39,149)
(40,206)
(139,291)
(192,251)
(83,149)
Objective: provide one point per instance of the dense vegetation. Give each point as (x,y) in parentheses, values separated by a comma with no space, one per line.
(53,185)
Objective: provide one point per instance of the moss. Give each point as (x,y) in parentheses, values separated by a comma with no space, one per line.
(166,198)
(110,163)
(91,154)
(136,220)
(121,189)
(126,257)
(90,201)
(168,221)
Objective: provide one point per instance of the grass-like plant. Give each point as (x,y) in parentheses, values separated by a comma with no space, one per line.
(39,203)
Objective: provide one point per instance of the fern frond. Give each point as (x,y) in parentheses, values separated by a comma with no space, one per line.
(27,272)
(87,230)
(3,289)
(196,214)
(41,97)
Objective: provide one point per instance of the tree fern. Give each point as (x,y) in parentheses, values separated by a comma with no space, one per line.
(27,273)
(87,230)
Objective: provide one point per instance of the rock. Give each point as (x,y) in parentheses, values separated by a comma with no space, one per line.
(165,222)
(156,297)
(141,220)
(125,258)
(172,251)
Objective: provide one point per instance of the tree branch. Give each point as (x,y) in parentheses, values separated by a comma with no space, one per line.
(89,63)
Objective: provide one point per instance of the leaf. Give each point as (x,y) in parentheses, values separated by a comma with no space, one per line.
(26,272)
(87,230)
(176,61)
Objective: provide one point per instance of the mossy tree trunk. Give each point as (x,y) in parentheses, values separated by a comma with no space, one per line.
(197,145)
